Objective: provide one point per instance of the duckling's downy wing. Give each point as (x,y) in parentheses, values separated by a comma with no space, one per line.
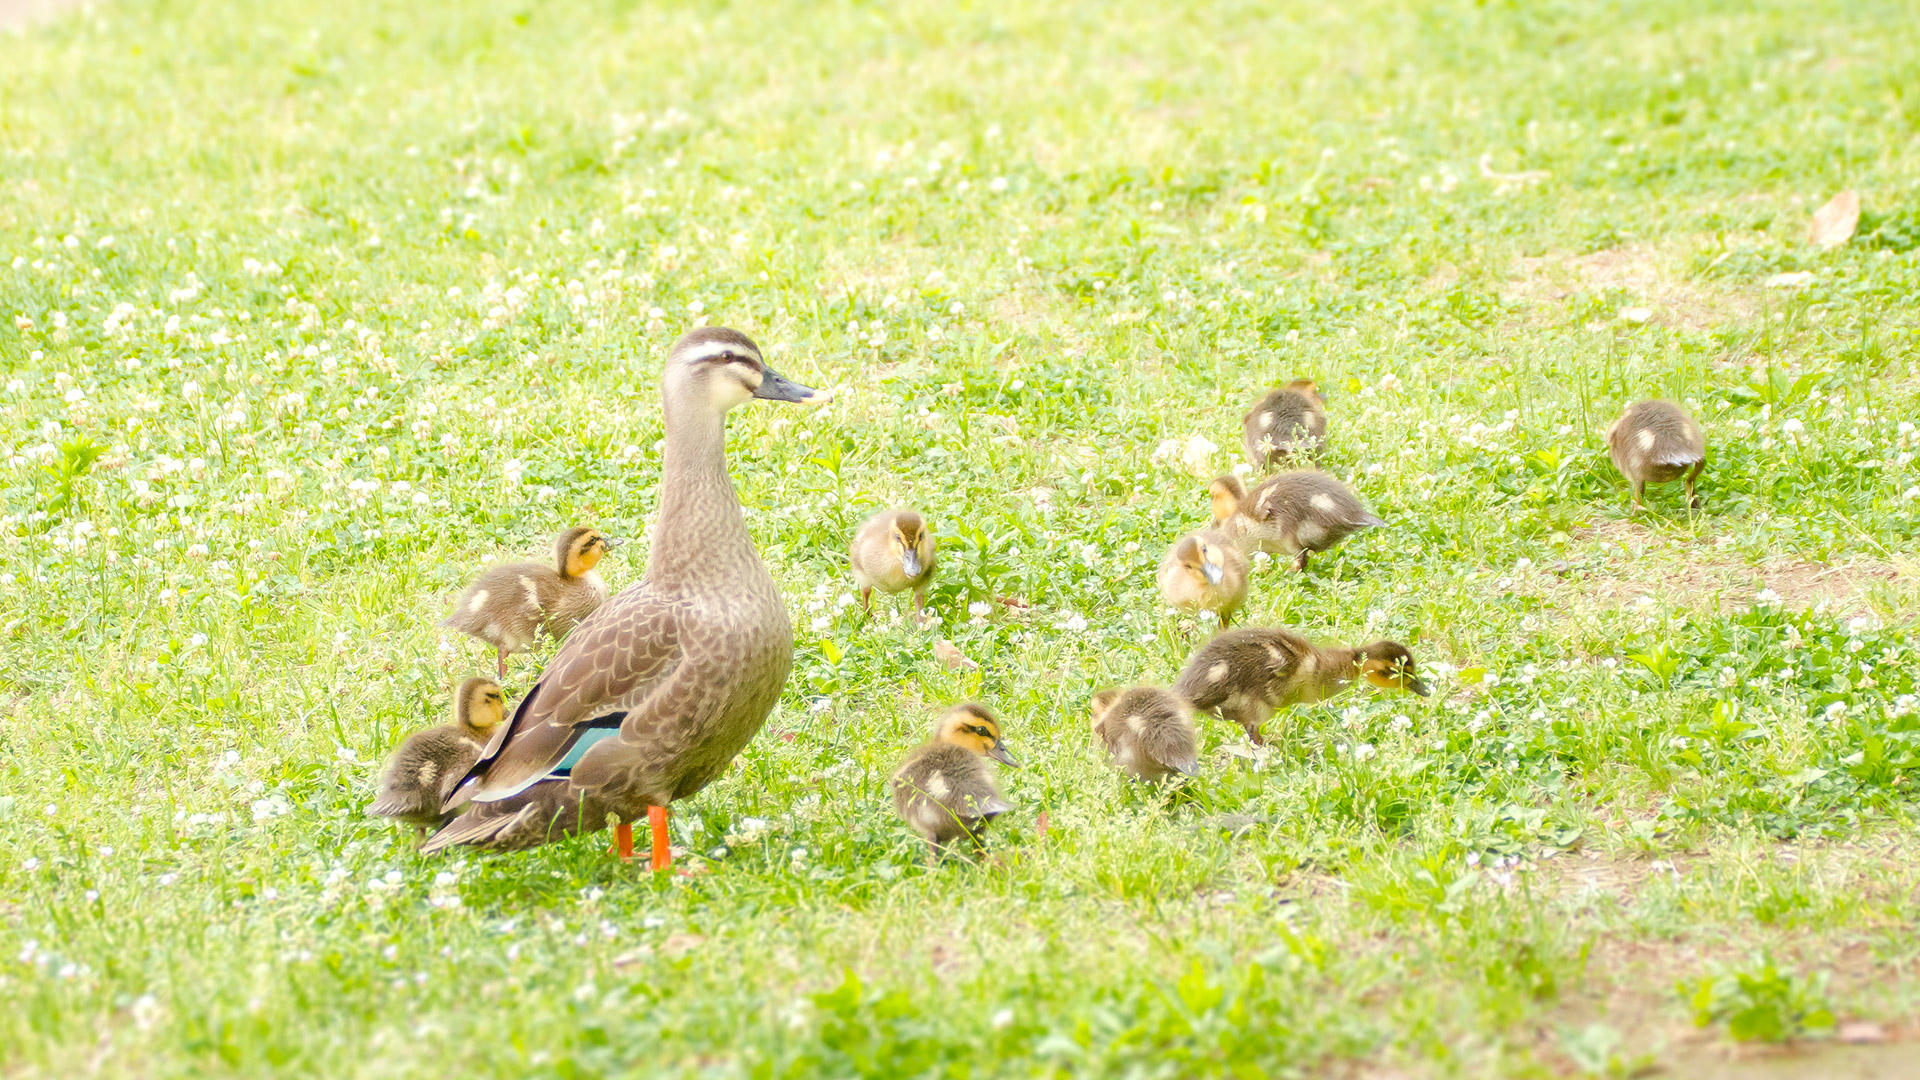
(610,663)
(1171,743)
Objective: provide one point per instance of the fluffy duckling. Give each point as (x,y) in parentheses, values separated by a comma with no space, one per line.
(1246,674)
(893,552)
(507,606)
(1657,442)
(1294,513)
(1292,418)
(944,789)
(1203,571)
(1148,732)
(420,774)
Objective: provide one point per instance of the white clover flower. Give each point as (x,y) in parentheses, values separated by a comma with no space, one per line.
(1074,623)
(822,622)
(1836,712)
(979,608)
(997,185)
(1766,596)
(1792,426)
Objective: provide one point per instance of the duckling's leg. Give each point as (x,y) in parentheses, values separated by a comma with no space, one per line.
(1639,494)
(1300,561)
(622,840)
(920,605)
(657,824)
(502,662)
(866,600)
(1693,500)
(1248,715)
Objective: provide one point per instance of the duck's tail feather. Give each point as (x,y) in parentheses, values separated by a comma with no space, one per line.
(546,811)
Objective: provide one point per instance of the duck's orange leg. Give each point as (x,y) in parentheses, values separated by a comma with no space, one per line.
(657,824)
(623,841)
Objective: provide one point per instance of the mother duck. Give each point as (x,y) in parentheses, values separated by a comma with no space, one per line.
(652,695)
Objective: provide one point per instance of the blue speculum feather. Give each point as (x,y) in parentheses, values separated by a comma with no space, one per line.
(587,740)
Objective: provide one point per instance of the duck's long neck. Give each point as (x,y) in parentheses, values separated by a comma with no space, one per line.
(699,534)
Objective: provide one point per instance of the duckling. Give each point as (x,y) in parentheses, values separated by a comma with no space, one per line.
(1657,442)
(1246,674)
(508,605)
(1203,571)
(1294,513)
(1288,419)
(421,773)
(1148,731)
(944,789)
(893,552)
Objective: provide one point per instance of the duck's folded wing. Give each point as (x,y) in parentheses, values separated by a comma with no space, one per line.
(545,810)
(613,658)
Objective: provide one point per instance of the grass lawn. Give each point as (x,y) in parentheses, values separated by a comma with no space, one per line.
(308,309)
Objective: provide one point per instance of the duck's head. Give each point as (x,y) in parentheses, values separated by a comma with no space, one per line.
(911,542)
(720,368)
(1389,664)
(578,550)
(1201,558)
(479,704)
(1308,388)
(1227,492)
(1101,705)
(971,727)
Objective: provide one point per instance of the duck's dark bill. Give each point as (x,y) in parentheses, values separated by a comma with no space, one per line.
(777,387)
(999,753)
(1416,686)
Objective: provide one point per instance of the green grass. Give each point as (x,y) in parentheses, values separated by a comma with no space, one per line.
(308,308)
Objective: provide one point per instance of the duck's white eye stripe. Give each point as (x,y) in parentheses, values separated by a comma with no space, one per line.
(710,349)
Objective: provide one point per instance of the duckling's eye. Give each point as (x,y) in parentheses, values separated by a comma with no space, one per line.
(980,731)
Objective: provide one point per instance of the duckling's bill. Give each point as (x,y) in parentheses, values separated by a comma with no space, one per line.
(999,752)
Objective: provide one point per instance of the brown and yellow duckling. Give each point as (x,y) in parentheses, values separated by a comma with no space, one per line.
(1245,675)
(509,605)
(945,790)
(422,772)
(1657,442)
(893,552)
(1292,419)
(1204,571)
(1294,513)
(1147,731)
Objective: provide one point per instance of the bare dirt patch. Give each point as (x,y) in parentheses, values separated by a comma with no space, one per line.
(1624,560)
(1648,277)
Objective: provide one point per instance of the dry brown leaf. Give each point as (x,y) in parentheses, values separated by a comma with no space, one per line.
(633,956)
(949,654)
(1040,825)
(1833,224)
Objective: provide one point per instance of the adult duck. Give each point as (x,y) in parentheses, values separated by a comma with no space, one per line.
(651,696)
